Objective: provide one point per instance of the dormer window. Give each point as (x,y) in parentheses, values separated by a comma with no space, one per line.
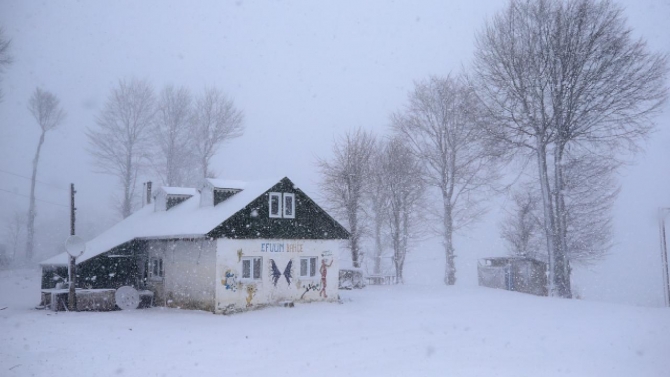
(168,197)
(215,191)
(281,205)
(222,194)
(173,200)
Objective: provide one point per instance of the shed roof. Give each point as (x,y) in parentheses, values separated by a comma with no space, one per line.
(227,184)
(186,220)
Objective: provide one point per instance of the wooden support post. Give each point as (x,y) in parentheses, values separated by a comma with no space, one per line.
(71,297)
(663,212)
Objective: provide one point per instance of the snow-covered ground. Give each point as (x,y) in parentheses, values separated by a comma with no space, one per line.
(411,330)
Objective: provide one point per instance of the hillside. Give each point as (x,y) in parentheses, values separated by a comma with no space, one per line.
(418,330)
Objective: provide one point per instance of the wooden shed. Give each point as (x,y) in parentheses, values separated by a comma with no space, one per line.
(517,274)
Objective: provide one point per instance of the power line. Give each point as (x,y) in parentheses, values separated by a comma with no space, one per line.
(39,200)
(28,178)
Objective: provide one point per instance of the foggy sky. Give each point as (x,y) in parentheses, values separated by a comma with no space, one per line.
(303,72)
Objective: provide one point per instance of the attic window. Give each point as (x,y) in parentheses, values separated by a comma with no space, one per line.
(275,204)
(289,206)
(281,205)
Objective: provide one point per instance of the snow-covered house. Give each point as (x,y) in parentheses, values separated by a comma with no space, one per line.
(226,247)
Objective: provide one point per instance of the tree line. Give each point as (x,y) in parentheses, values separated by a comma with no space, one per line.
(559,92)
(172,135)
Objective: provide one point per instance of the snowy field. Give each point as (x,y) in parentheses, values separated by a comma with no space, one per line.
(411,330)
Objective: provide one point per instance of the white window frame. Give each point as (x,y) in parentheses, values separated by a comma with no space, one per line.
(292,206)
(279,201)
(160,267)
(252,269)
(310,274)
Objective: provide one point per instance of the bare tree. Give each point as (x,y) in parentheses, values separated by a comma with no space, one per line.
(377,204)
(45,108)
(523,228)
(557,74)
(402,176)
(5,57)
(172,130)
(442,126)
(121,142)
(589,194)
(14,231)
(344,180)
(216,120)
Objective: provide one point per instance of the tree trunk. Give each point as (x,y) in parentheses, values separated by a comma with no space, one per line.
(561,266)
(378,245)
(126,207)
(399,262)
(397,251)
(403,244)
(450,266)
(170,168)
(205,167)
(548,210)
(353,240)
(30,235)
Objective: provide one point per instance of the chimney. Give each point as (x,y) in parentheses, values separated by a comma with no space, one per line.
(149,192)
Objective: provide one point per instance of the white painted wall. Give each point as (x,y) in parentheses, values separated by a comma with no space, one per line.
(190,270)
(160,201)
(235,294)
(206,195)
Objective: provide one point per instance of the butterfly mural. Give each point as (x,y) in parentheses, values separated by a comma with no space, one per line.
(276,274)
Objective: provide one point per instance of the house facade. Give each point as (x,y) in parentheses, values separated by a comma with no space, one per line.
(229,246)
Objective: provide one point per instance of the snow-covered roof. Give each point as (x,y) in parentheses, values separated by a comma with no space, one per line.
(227,184)
(186,191)
(186,220)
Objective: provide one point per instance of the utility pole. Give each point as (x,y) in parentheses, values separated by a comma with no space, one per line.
(663,212)
(71,297)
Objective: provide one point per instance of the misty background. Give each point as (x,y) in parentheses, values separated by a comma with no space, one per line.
(303,73)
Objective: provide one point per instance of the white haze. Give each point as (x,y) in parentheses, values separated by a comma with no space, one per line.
(303,72)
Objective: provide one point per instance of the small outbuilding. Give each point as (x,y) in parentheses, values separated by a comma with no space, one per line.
(228,246)
(518,274)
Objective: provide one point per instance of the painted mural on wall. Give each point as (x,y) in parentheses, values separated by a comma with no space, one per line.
(310,287)
(230,280)
(251,292)
(276,276)
(324,272)
(276,273)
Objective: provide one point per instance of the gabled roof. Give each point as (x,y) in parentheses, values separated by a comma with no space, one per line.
(182,191)
(186,220)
